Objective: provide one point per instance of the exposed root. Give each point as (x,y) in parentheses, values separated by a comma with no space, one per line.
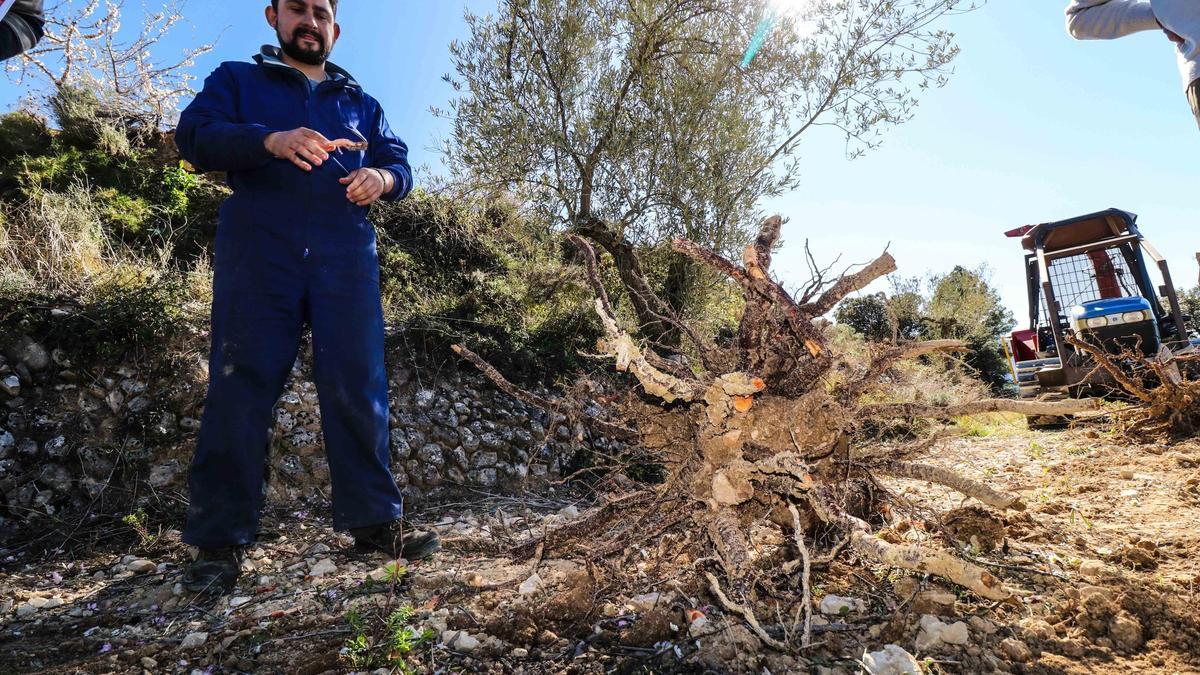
(930,561)
(911,556)
(502,383)
(991,405)
(743,612)
(1168,403)
(950,479)
(806,592)
(629,357)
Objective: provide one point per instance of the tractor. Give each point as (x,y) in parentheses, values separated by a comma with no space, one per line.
(1087,277)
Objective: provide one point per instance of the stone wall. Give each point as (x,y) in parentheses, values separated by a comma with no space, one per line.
(448,430)
(69,434)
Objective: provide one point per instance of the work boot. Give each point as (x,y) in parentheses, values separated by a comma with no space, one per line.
(215,570)
(391,539)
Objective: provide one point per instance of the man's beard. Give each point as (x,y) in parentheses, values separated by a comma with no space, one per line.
(311,56)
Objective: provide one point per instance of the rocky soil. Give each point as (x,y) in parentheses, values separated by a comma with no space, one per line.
(1104,562)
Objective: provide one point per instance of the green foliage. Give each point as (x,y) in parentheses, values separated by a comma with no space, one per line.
(964,306)
(174,187)
(385,646)
(642,114)
(85,123)
(21,133)
(479,273)
(868,314)
(125,216)
(1189,304)
(128,315)
(959,305)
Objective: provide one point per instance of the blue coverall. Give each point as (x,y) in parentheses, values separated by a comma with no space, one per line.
(290,249)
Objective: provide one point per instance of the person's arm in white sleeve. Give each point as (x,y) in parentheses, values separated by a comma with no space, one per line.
(1109,19)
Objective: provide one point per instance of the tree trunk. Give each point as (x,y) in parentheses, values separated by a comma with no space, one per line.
(651,311)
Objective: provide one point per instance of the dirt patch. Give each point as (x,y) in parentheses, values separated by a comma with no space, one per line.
(1099,512)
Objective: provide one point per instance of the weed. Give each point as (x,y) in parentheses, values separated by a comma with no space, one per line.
(389,646)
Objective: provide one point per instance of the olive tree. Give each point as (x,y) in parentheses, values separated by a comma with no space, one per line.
(631,122)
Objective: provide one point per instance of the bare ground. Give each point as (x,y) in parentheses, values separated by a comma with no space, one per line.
(1104,562)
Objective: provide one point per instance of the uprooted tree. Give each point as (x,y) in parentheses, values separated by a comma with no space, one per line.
(761,431)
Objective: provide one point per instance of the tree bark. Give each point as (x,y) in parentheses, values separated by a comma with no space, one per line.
(647,306)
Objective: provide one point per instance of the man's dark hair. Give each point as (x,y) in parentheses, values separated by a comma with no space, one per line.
(332,3)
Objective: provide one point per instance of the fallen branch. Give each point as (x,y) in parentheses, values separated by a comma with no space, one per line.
(851,283)
(950,479)
(1102,359)
(918,410)
(502,383)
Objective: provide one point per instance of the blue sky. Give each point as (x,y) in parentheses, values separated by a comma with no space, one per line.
(1033,126)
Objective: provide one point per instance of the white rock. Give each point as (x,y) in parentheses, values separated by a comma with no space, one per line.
(193,640)
(645,602)
(11,385)
(569,512)
(141,566)
(956,634)
(25,609)
(520,653)
(982,625)
(239,601)
(38,603)
(323,567)
(530,585)
(891,660)
(934,633)
(837,605)
(465,643)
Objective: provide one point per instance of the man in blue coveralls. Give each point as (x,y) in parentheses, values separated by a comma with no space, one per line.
(306,153)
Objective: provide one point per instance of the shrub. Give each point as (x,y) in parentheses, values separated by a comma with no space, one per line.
(458,271)
(21,133)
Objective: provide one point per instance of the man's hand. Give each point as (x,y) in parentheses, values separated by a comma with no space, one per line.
(366,185)
(303,147)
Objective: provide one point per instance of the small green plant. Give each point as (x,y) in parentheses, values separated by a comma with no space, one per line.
(137,520)
(389,645)
(1036,450)
(1075,512)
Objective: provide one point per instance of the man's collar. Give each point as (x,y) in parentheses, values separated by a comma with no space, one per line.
(272,56)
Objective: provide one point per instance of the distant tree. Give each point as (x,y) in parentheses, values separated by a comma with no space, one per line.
(84,48)
(963,305)
(883,318)
(1189,302)
(632,122)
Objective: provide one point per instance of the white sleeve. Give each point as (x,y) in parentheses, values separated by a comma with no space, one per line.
(1108,19)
